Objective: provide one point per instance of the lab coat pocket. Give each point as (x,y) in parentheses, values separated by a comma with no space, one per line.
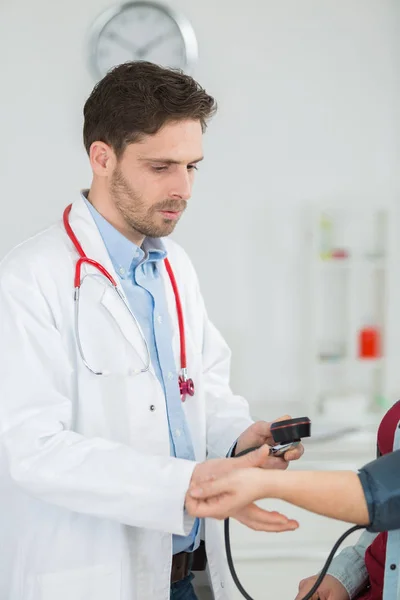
(90,583)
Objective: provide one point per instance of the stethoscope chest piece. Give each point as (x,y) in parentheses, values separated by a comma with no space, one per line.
(186,388)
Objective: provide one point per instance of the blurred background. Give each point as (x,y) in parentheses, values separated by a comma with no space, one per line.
(294,223)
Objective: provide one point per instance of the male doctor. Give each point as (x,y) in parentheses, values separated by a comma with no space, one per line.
(98,447)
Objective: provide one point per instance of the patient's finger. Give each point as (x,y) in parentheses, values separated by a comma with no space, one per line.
(225,505)
(262,520)
(217,507)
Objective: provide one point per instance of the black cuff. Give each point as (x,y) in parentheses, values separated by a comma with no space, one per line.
(380,480)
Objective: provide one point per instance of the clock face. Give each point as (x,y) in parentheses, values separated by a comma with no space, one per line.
(142,31)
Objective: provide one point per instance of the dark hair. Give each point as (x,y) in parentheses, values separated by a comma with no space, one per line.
(136,99)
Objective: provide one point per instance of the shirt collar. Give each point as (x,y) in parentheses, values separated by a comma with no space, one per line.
(124,254)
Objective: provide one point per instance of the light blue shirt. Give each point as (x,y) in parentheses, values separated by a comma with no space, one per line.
(138,271)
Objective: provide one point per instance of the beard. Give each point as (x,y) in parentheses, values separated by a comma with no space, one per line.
(137,215)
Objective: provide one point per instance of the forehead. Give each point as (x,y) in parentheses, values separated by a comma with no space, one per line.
(180,141)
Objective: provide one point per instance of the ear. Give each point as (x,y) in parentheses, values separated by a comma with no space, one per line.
(102,159)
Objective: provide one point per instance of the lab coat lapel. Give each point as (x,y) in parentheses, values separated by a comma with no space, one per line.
(91,241)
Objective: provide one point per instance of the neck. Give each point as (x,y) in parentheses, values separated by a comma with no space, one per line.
(101,200)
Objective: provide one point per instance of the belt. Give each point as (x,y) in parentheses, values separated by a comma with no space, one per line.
(185,562)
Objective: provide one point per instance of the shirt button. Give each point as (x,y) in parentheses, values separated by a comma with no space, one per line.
(178,433)
(121,271)
(393,567)
(159,319)
(170,375)
(152,407)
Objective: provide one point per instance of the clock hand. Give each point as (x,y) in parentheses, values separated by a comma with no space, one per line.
(150,45)
(122,42)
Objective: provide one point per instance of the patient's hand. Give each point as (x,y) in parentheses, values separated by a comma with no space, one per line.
(222,497)
(233,495)
(330,589)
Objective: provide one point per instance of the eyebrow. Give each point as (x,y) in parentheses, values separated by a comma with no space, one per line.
(169,161)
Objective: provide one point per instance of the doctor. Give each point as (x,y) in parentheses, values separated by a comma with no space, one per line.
(114,384)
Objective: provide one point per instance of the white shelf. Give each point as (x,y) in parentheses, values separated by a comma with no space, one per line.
(346,264)
(352,363)
(343,295)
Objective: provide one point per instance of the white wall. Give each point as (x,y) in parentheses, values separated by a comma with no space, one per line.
(308,93)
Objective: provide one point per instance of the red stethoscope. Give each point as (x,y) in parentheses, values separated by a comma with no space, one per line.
(186,385)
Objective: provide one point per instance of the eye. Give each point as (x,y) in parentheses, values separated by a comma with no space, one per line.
(192,168)
(159,169)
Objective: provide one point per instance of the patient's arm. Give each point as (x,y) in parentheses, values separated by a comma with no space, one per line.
(335,494)
(370,498)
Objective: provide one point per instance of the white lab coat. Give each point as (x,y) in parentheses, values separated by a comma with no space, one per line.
(89,494)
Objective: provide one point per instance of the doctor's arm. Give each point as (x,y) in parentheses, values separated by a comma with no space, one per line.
(46,458)
(229,424)
(370,497)
(227,414)
(49,460)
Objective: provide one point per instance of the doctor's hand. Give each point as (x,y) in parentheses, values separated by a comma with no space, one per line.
(248,514)
(330,589)
(233,495)
(260,433)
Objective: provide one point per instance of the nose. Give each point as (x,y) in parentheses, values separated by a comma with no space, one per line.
(182,185)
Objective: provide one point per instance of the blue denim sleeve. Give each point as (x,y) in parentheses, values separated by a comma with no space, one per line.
(381,484)
(348,566)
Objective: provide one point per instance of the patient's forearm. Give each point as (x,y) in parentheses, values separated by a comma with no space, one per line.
(338,495)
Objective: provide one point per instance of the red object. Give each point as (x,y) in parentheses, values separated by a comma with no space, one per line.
(369,343)
(375,554)
(186,386)
(339,253)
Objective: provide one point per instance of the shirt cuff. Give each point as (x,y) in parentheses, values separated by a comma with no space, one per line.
(232,450)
